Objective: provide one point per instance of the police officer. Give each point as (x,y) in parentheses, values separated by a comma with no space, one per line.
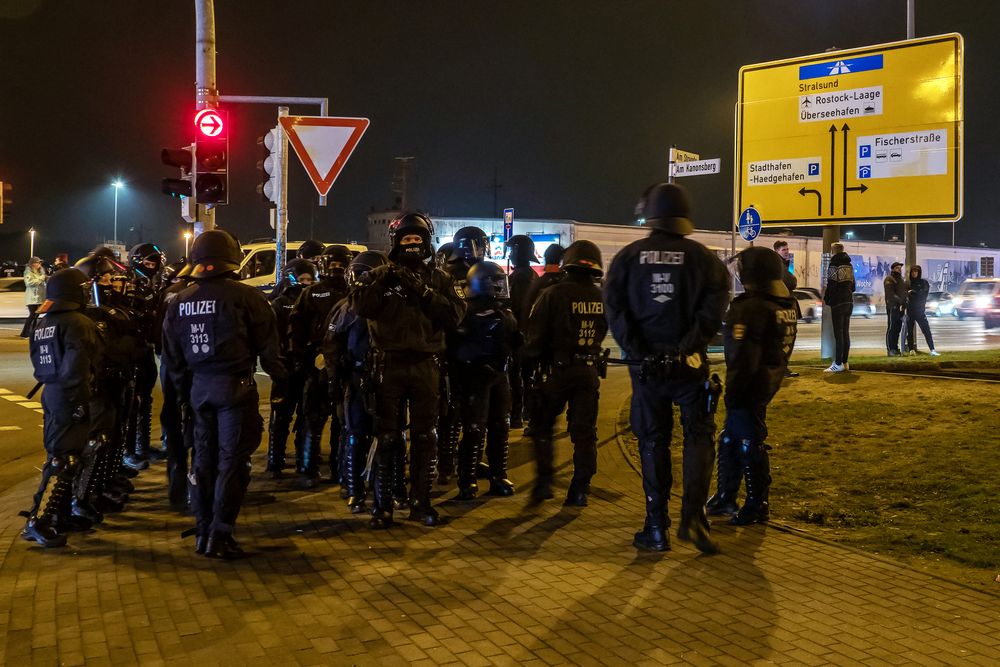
(215,331)
(410,305)
(760,330)
(298,275)
(64,351)
(565,331)
(478,353)
(306,326)
(469,246)
(346,350)
(522,277)
(310,251)
(666,295)
(551,274)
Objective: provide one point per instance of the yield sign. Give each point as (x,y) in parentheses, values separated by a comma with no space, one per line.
(323,144)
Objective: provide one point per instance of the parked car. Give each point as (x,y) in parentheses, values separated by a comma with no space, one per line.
(939,303)
(863,306)
(812,291)
(12,299)
(257,268)
(979,297)
(810,307)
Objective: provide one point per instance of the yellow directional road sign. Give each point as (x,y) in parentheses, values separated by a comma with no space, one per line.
(867,135)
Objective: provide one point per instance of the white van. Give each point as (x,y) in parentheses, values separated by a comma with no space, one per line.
(257,268)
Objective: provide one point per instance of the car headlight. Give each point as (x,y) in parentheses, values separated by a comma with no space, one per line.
(982,302)
(932,304)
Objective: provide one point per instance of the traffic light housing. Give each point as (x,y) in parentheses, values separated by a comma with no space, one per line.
(211,154)
(183,159)
(5,188)
(267,166)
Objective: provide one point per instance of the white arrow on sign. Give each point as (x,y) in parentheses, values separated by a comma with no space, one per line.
(696,168)
(323,144)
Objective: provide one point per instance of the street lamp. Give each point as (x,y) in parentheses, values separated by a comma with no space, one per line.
(117,185)
(31,232)
(187,240)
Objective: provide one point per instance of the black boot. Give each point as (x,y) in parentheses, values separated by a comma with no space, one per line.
(543,462)
(730,474)
(222,545)
(309,470)
(43,527)
(355,454)
(577,494)
(469,450)
(400,498)
(143,433)
(696,530)
(757,470)
(424,451)
(652,538)
(497,451)
(448,444)
(277,438)
(382,505)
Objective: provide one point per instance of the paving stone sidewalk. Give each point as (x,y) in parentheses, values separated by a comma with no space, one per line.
(503,583)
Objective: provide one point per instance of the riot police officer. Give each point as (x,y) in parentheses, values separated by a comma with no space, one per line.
(478,353)
(64,351)
(551,274)
(310,251)
(565,331)
(346,351)
(410,305)
(306,326)
(522,277)
(215,331)
(298,275)
(759,333)
(666,295)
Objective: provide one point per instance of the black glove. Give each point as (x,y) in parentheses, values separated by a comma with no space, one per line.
(412,282)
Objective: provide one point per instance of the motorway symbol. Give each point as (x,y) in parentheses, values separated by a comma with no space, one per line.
(323,144)
(749,224)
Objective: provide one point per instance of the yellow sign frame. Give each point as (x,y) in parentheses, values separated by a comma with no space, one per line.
(808,127)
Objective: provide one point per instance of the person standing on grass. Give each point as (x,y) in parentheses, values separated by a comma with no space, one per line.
(895,307)
(839,295)
(916,301)
(790,282)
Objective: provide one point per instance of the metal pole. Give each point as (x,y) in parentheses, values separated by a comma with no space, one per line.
(206,90)
(910,228)
(670,168)
(281,200)
(116,213)
(31,251)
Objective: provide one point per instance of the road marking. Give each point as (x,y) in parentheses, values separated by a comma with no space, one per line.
(15,398)
(10,428)
(5,391)
(39,411)
(30,404)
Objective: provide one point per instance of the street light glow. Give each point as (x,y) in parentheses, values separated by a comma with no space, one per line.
(117,184)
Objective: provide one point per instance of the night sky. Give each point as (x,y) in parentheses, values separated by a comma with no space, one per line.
(573,104)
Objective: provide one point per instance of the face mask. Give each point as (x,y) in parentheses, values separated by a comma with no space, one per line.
(411,254)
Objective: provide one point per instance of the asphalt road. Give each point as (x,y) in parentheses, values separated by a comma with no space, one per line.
(21,454)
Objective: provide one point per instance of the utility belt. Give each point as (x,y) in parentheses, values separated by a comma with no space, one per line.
(595,360)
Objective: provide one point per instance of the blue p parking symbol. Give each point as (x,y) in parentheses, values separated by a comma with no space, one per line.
(865,171)
(865,150)
(814,168)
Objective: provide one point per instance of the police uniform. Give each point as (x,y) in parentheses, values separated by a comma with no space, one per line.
(759,333)
(215,330)
(522,277)
(285,408)
(666,295)
(565,330)
(551,275)
(307,324)
(410,305)
(478,353)
(63,349)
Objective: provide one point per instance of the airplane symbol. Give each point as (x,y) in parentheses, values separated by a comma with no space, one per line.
(806,102)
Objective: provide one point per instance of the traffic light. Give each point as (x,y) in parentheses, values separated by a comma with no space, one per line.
(211,156)
(182,158)
(267,166)
(4,189)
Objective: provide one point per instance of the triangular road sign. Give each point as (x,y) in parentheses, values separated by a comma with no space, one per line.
(323,144)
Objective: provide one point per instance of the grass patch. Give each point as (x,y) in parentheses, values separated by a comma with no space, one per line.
(975,359)
(906,467)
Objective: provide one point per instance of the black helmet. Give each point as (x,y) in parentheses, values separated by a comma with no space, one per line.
(471,244)
(298,267)
(487,279)
(666,206)
(761,269)
(172,271)
(146,252)
(554,254)
(522,250)
(363,263)
(406,224)
(101,260)
(215,252)
(310,249)
(334,259)
(65,290)
(585,256)
(444,255)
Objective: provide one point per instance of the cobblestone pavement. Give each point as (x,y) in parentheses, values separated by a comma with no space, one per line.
(502,583)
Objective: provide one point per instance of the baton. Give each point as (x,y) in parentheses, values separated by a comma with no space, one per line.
(38,385)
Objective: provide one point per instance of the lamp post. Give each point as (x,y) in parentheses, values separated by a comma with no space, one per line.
(117,185)
(187,240)
(31,233)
